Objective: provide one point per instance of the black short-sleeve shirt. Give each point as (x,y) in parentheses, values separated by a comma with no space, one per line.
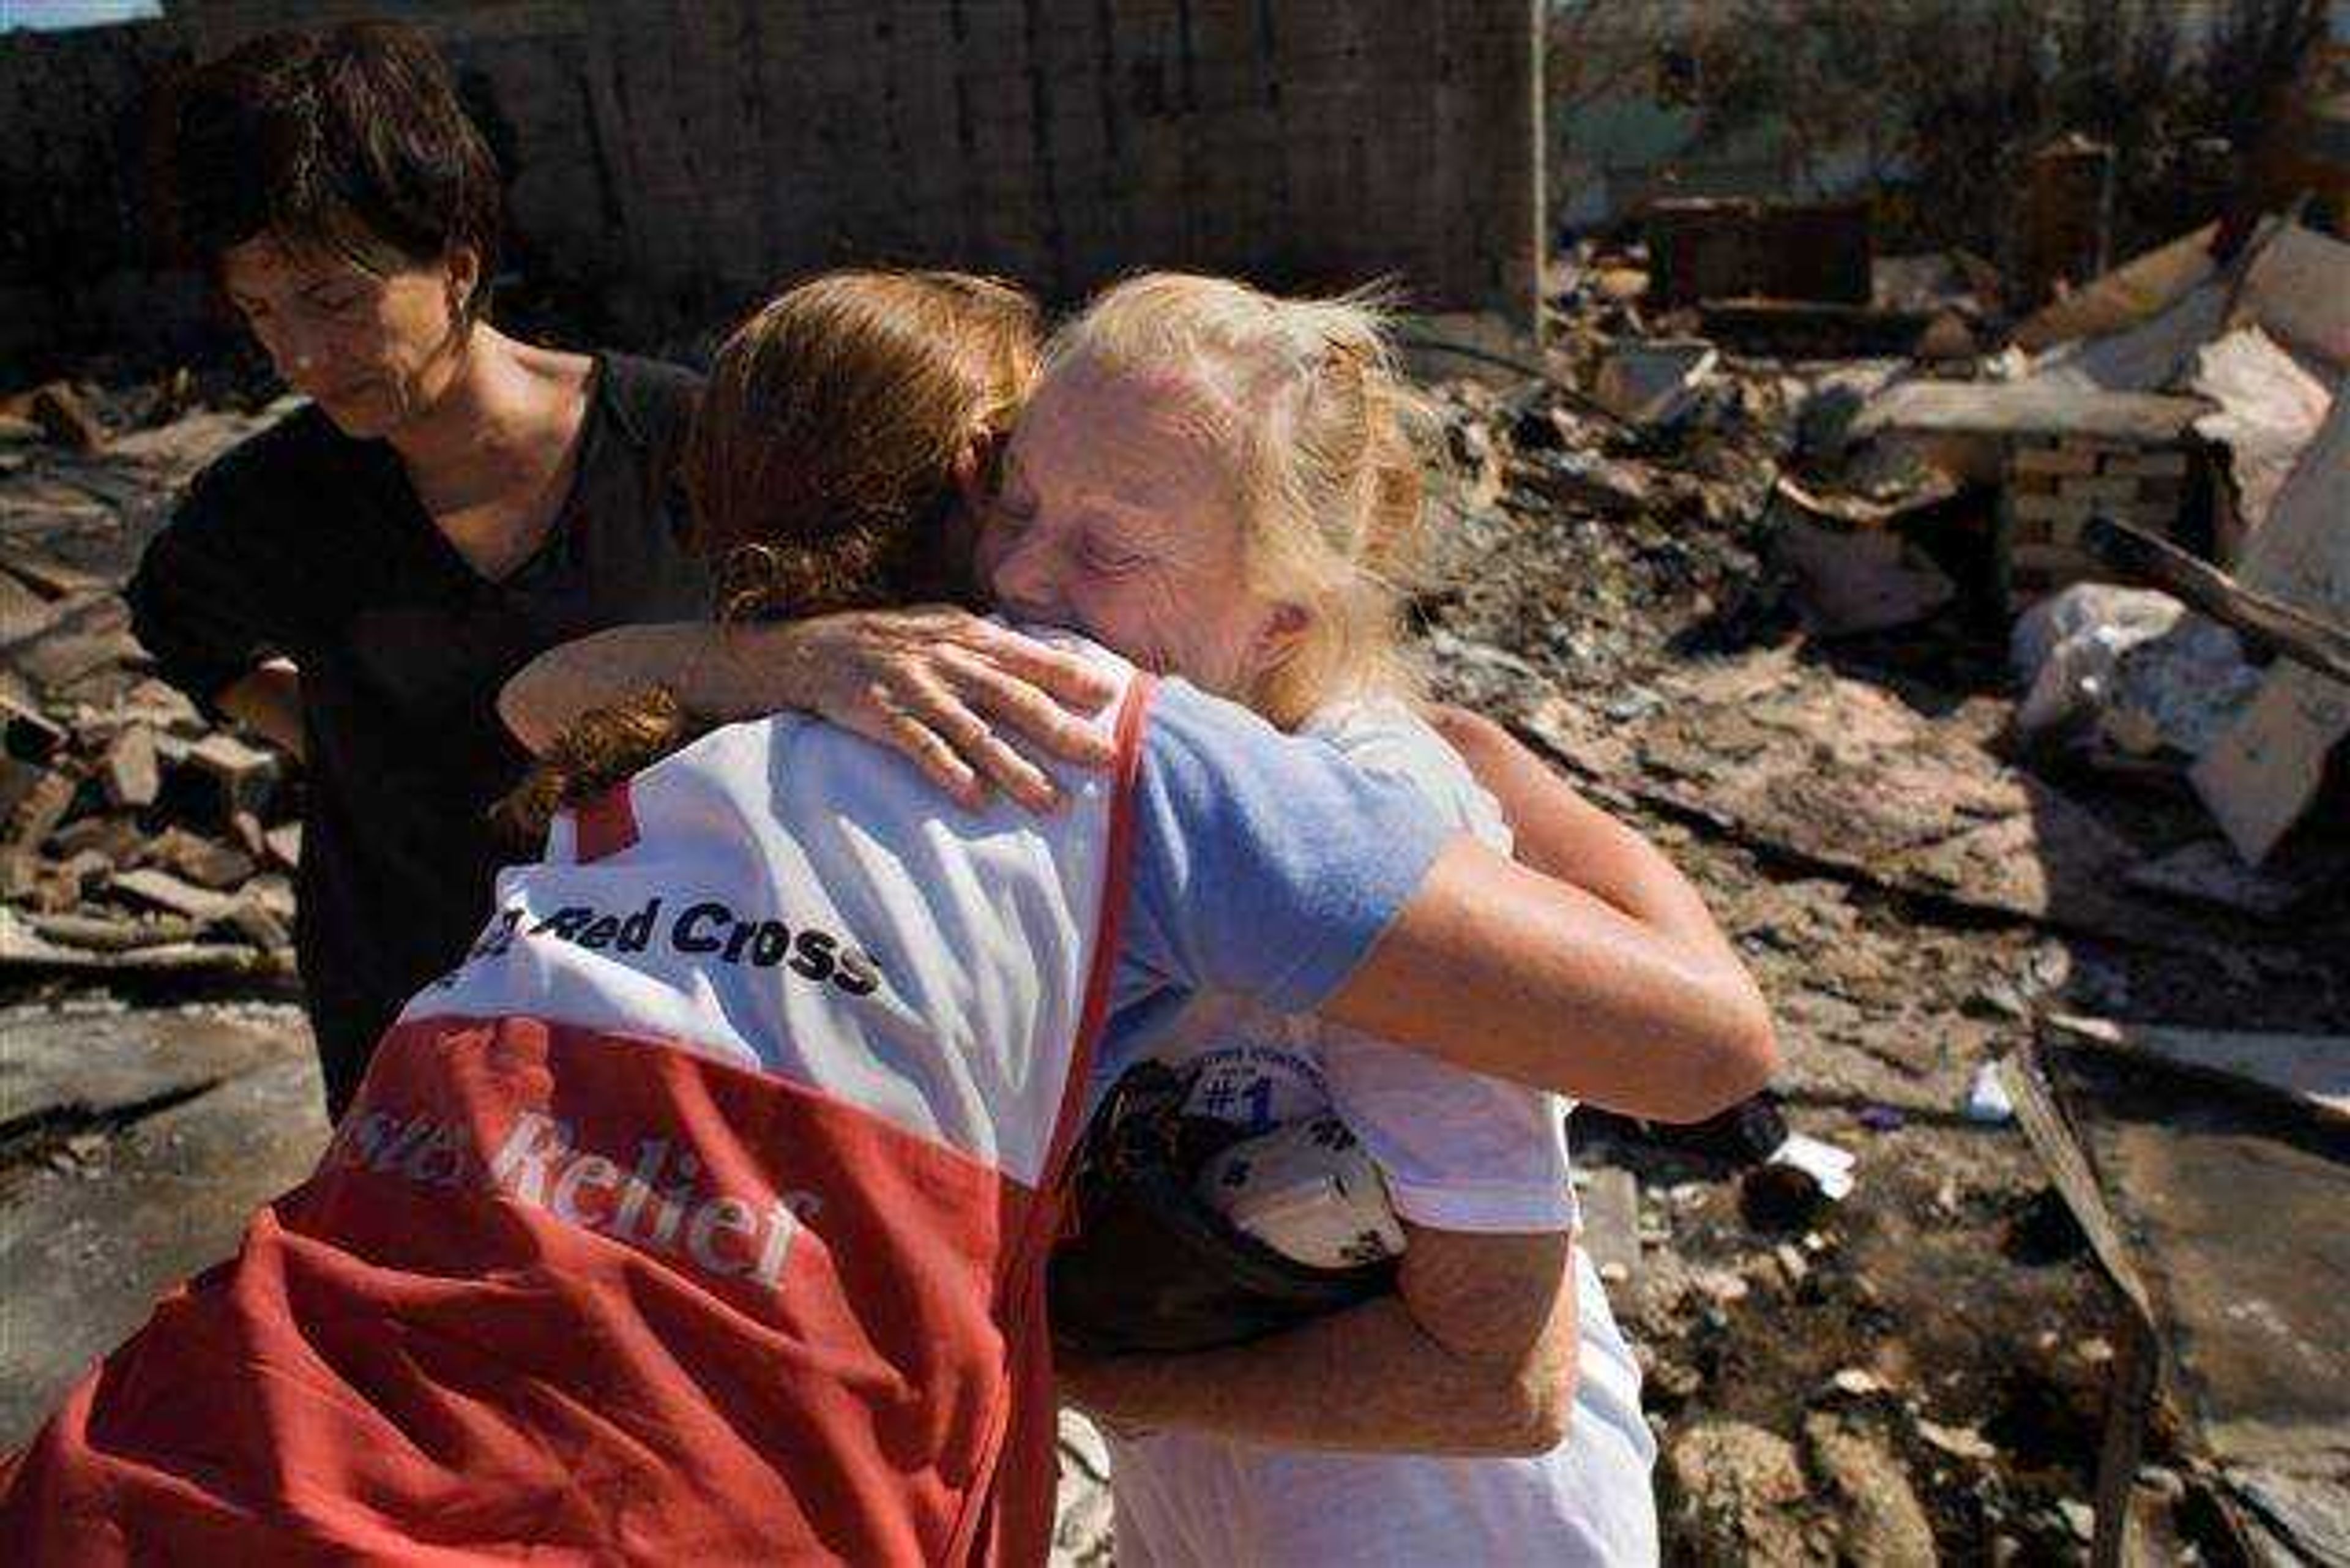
(305,544)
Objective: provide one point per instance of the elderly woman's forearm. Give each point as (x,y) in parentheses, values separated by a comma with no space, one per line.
(1499,970)
(1560,833)
(1368,1379)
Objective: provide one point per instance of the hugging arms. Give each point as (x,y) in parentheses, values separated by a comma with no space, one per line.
(1595,968)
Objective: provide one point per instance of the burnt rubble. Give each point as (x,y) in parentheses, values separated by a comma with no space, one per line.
(137,835)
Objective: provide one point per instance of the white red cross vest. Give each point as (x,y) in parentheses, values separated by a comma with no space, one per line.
(699,1216)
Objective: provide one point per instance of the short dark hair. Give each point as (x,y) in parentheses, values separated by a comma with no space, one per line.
(352,139)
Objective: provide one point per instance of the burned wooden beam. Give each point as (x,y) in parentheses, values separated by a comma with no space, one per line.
(2294,632)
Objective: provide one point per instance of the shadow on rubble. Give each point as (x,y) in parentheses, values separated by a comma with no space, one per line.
(1932,665)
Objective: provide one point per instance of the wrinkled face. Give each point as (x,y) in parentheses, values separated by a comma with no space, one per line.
(1116,518)
(371,349)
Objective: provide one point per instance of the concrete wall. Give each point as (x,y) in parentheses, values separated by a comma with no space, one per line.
(672,159)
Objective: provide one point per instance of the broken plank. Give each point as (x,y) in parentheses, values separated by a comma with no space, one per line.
(1907,804)
(2312,1068)
(165,891)
(204,861)
(32,734)
(45,572)
(23,947)
(2305,639)
(2020,407)
(111,933)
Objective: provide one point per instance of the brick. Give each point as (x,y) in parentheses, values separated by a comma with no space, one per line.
(2153,516)
(2053,460)
(2148,464)
(246,826)
(257,925)
(55,889)
(132,772)
(118,838)
(93,631)
(272,893)
(2052,560)
(57,409)
(23,612)
(84,871)
(2049,509)
(2099,488)
(246,775)
(17,781)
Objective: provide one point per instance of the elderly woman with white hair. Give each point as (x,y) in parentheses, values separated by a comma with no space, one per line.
(1222,485)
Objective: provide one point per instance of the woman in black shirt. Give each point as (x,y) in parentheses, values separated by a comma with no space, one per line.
(356,582)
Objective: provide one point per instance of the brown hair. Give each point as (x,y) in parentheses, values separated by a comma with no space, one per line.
(822,465)
(350,141)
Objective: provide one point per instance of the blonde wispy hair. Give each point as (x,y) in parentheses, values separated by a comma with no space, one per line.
(1323,435)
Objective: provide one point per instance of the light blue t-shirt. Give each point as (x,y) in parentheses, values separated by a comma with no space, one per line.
(1263,863)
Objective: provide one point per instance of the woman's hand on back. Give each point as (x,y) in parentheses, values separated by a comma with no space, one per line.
(938,684)
(948,690)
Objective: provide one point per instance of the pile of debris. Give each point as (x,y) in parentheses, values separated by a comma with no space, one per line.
(136,836)
(1981,672)
(2185,454)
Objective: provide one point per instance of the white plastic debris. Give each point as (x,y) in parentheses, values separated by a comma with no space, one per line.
(2132,666)
(1987,1100)
(1823,1162)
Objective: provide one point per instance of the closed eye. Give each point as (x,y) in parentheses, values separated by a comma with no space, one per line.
(1112,561)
